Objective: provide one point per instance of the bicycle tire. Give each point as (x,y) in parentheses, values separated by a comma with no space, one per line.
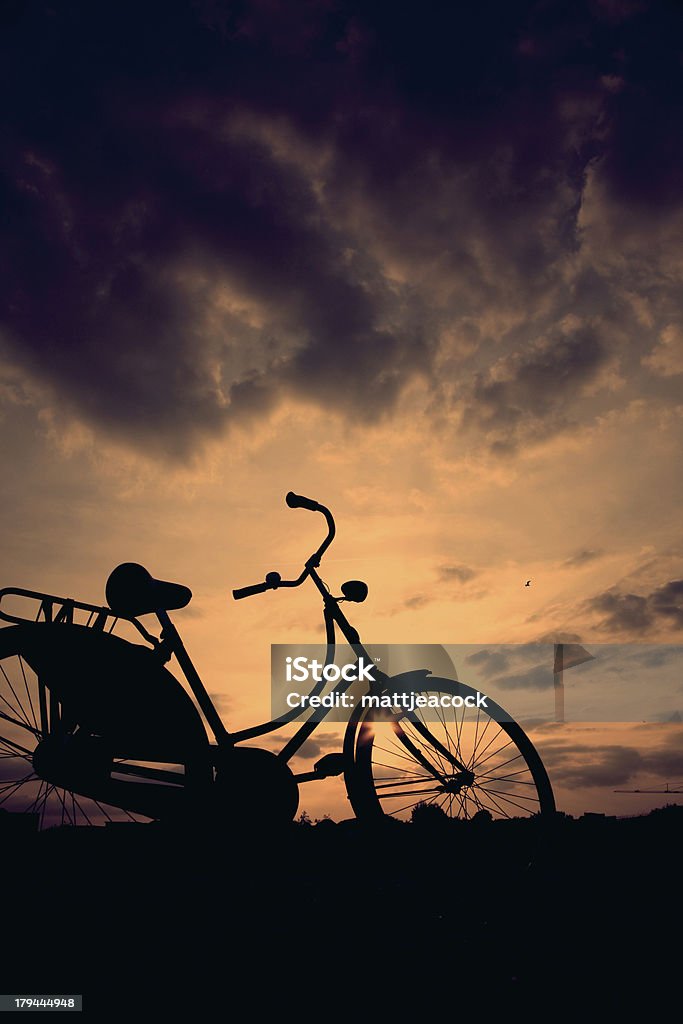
(509,780)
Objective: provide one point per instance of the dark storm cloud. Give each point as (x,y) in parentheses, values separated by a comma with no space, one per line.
(624,612)
(637,613)
(666,761)
(167,266)
(582,764)
(96,305)
(537,386)
(644,159)
(667,602)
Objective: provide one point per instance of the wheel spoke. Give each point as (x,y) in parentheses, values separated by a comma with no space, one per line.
(493,754)
(510,760)
(11,745)
(413,803)
(481,737)
(458,730)
(403,773)
(391,753)
(508,778)
(33,806)
(491,740)
(476,733)
(61,795)
(410,792)
(103,810)
(14,786)
(41,813)
(24,726)
(506,796)
(28,693)
(499,808)
(80,807)
(507,799)
(402,782)
(19,706)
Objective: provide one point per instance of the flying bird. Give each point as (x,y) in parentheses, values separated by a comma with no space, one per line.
(528,583)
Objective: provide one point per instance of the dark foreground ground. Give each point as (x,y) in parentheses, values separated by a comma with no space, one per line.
(408,919)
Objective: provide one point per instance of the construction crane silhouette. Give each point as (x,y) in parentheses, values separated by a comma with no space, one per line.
(678,789)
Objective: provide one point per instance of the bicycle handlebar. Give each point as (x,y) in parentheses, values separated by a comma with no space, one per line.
(257,588)
(273,580)
(298,501)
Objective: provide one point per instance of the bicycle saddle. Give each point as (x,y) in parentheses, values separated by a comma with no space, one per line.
(132,591)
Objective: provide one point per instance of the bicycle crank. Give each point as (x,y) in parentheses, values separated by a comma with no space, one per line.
(254,787)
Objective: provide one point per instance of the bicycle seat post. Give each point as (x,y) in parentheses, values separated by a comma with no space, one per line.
(172,637)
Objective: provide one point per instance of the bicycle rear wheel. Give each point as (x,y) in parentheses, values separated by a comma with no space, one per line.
(36,730)
(466,760)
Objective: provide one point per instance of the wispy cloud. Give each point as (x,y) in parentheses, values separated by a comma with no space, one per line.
(456,573)
(583,557)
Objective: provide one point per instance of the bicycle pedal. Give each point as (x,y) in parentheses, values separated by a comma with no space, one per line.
(329,765)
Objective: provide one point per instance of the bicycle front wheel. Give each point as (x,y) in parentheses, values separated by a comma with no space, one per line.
(466,760)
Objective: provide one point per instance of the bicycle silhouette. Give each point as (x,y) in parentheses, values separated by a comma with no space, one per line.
(93,725)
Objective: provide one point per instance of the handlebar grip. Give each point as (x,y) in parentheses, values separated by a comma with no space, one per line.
(298,501)
(257,588)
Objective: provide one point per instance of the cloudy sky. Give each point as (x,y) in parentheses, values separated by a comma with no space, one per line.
(422,263)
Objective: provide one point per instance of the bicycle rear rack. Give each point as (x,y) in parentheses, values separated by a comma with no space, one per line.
(69,611)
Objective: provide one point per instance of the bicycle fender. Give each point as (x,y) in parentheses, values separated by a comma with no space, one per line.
(115,689)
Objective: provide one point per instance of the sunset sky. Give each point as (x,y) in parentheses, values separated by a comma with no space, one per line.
(422,263)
